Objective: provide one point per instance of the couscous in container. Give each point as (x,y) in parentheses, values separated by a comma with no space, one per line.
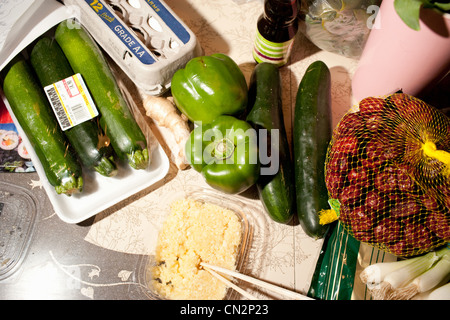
(251,220)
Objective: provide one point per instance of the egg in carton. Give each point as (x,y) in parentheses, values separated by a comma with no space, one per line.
(145,38)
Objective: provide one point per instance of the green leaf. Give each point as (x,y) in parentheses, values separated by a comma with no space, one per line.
(443,6)
(335,205)
(409,12)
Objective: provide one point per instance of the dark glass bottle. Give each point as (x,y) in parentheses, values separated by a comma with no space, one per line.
(276,30)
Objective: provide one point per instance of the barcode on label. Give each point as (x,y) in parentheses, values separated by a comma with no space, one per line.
(61,115)
(71,101)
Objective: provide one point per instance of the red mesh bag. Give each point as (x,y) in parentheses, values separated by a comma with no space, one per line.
(388,174)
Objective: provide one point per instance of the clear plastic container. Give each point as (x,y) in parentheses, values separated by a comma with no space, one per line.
(18,210)
(252,218)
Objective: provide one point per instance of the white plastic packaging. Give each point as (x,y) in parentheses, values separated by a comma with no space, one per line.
(99,192)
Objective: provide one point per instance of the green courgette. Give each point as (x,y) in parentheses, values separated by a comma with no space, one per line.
(33,112)
(311,137)
(90,143)
(116,119)
(276,189)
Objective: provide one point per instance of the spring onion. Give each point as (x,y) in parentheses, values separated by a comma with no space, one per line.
(439,293)
(374,274)
(405,278)
(433,277)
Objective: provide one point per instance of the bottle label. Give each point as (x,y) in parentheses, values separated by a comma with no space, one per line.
(273,52)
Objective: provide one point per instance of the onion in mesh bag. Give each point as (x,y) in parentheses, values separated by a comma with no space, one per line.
(388,175)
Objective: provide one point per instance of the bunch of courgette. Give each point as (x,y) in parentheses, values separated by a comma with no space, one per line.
(33,111)
(62,154)
(51,65)
(116,119)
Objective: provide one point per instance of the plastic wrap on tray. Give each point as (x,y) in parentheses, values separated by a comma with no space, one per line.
(99,192)
(339,26)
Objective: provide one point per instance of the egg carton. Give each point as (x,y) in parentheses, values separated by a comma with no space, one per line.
(145,38)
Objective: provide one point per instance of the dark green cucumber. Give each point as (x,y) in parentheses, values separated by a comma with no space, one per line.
(116,119)
(87,138)
(312,134)
(33,112)
(276,189)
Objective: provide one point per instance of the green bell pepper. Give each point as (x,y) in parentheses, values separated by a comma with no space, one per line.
(210,86)
(225,152)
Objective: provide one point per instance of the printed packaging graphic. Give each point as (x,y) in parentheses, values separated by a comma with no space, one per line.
(13,154)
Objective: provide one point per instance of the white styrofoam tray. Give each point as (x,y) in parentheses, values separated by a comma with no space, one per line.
(99,192)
